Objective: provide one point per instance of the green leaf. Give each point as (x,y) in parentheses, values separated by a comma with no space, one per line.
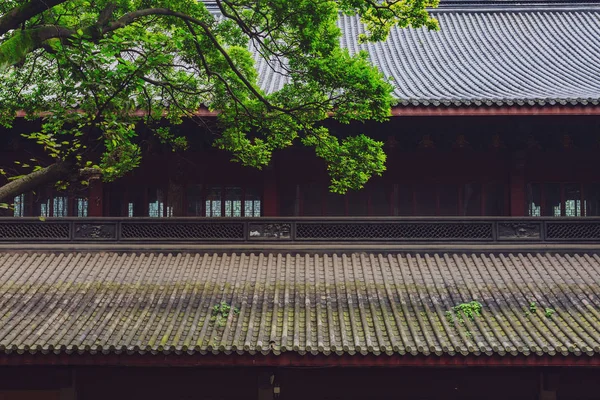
(102,90)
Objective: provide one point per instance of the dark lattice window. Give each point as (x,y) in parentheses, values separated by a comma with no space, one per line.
(232,201)
(53,205)
(194,200)
(156,204)
(19,206)
(81,207)
(213,202)
(252,204)
(57,206)
(563,199)
(381,199)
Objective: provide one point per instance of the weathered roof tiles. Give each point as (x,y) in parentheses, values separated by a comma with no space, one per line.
(349,303)
(497,56)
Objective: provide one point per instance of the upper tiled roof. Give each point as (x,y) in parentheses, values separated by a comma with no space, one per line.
(446,3)
(337,303)
(485,54)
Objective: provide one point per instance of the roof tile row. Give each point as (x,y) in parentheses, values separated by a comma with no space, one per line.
(338,303)
(492,57)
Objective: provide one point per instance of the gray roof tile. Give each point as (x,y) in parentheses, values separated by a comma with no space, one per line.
(367,303)
(505,55)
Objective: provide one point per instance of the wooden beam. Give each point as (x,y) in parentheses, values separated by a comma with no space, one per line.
(473,111)
(96,196)
(270,202)
(291,359)
(447,111)
(518,200)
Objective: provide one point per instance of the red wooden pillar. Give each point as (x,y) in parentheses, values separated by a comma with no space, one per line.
(517,186)
(95,199)
(270,194)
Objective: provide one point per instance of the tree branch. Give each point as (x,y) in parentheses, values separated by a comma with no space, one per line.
(18,15)
(132,16)
(15,49)
(50,174)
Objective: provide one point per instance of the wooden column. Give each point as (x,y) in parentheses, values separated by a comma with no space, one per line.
(517,185)
(266,386)
(548,385)
(270,202)
(69,392)
(95,199)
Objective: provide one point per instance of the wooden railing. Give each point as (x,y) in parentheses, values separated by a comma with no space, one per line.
(363,229)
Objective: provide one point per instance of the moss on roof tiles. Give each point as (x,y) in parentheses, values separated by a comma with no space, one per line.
(369,303)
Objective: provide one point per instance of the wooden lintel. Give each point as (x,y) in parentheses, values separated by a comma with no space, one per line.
(290,359)
(474,111)
(451,111)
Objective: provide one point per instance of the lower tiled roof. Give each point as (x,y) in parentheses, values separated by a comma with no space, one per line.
(375,303)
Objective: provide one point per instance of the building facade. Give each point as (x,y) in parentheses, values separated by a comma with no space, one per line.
(470,269)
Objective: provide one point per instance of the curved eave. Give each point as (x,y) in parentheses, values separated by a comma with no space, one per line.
(417,109)
(501,110)
(294,360)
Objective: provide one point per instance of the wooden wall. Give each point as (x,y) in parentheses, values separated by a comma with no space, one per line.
(436,152)
(181,383)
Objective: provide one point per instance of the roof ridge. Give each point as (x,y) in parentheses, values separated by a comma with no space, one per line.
(445,3)
(515,5)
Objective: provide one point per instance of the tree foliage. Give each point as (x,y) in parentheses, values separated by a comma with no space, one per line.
(93,70)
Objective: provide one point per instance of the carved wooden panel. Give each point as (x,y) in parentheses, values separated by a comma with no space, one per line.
(519,230)
(270,231)
(95,231)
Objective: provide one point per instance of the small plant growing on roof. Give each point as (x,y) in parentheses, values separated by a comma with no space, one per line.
(532,309)
(549,311)
(449,317)
(470,310)
(221,311)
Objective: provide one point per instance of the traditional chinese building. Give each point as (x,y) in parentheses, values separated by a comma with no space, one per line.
(469,270)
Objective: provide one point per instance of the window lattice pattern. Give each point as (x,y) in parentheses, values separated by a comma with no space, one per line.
(156,209)
(573,208)
(19,206)
(534,210)
(55,207)
(156,206)
(474,231)
(42,230)
(182,231)
(575,231)
(252,208)
(82,207)
(45,209)
(60,206)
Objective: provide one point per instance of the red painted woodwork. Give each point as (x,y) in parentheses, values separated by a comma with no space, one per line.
(429,111)
(290,359)
(95,199)
(421,111)
(270,200)
(434,165)
(517,187)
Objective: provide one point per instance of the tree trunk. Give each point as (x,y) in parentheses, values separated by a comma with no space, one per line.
(50,174)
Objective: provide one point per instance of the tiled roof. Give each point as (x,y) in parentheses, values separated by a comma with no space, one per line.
(487,55)
(338,303)
(445,3)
